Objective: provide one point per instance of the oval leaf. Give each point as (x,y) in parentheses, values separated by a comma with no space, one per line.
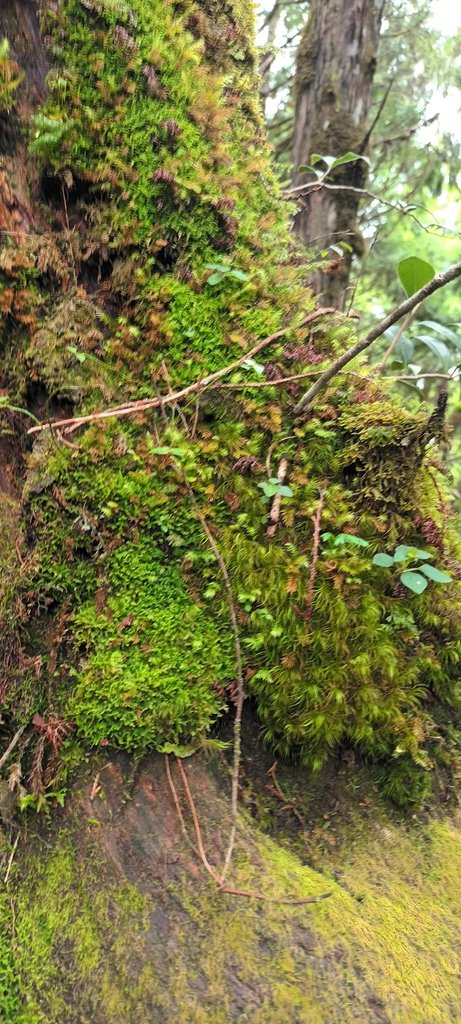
(348,158)
(383,560)
(414,274)
(435,574)
(413,581)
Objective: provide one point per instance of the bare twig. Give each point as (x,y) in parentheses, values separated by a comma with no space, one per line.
(196,822)
(316,519)
(377,116)
(144,404)
(300,192)
(405,307)
(274,514)
(425,376)
(288,804)
(12,745)
(237,646)
(175,797)
(270,383)
(10,861)
(273,899)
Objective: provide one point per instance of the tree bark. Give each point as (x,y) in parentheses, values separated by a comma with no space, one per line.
(336,63)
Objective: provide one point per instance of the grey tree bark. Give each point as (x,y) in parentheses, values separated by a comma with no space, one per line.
(336,63)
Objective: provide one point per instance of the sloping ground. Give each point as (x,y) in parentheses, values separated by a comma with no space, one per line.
(115,922)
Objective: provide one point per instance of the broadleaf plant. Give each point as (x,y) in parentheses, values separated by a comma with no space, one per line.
(413,577)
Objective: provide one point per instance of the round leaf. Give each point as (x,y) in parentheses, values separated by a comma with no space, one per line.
(413,581)
(383,560)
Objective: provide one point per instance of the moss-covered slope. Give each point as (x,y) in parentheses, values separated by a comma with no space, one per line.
(115,922)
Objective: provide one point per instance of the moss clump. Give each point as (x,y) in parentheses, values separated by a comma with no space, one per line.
(157,663)
(10,78)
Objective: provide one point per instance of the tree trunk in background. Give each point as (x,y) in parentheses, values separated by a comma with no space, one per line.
(336,63)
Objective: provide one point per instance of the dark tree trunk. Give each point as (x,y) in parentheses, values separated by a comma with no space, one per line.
(335,67)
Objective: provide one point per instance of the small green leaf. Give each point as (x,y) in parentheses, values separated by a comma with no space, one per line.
(285,491)
(404,551)
(435,574)
(178,751)
(268,489)
(167,451)
(239,275)
(350,538)
(414,274)
(383,560)
(413,581)
(215,278)
(348,158)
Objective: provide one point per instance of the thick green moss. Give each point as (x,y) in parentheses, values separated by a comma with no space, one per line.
(157,663)
(178,261)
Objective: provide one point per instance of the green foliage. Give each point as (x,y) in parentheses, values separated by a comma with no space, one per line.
(413,577)
(414,273)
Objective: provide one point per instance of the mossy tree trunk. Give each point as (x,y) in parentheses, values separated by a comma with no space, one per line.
(335,65)
(144,247)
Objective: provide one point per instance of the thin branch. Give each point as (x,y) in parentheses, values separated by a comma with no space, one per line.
(175,797)
(300,192)
(425,376)
(10,861)
(144,404)
(316,519)
(271,383)
(196,822)
(237,647)
(273,899)
(405,135)
(377,116)
(405,307)
(13,744)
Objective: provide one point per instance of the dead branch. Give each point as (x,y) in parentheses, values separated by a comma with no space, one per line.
(198,832)
(240,699)
(273,899)
(10,861)
(274,514)
(405,307)
(12,745)
(144,404)
(177,804)
(288,804)
(315,555)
